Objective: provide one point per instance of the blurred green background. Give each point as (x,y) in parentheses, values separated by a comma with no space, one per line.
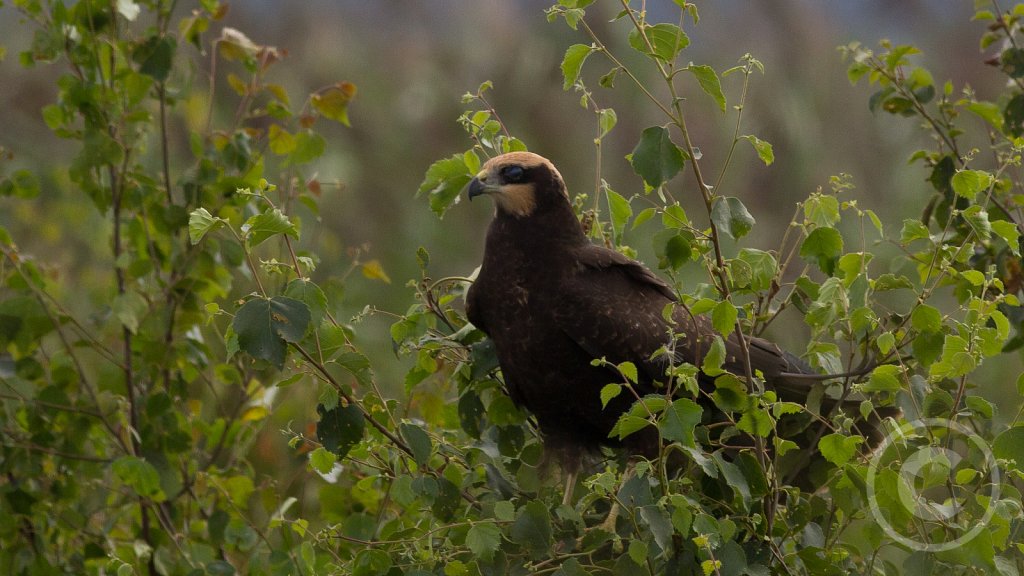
(412,61)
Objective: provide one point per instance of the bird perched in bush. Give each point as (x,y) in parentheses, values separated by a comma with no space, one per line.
(553,302)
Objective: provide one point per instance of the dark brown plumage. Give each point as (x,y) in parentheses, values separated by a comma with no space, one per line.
(552,302)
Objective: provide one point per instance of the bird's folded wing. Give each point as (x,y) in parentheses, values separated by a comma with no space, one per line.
(612,308)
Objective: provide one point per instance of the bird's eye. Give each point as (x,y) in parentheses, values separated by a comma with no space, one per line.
(513,174)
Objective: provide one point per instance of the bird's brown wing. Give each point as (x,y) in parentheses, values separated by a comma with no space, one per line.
(473,308)
(611,306)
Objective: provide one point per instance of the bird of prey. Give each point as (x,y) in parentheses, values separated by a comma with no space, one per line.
(552,302)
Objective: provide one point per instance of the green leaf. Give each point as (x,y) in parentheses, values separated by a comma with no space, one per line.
(356,364)
(667,40)
(712,364)
(824,246)
(307,292)
(572,63)
(340,428)
(447,500)
(484,539)
(332,339)
(730,393)
(268,224)
(308,147)
(731,217)
(608,392)
(913,230)
(419,441)
(980,406)
(140,476)
(644,215)
(926,318)
(885,341)
(822,210)
(1013,115)
(1009,232)
(734,478)
(628,371)
(21,184)
(977,218)
(763,267)
(891,282)
(968,183)
(839,449)
(628,424)
(674,216)
(532,528)
(672,248)
(780,409)
(756,421)
(956,359)
(973,277)
(322,460)
(1009,445)
(723,317)
(989,112)
(764,149)
(620,211)
(679,421)
(637,551)
(443,182)
(201,223)
(659,523)
(155,56)
(370,562)
(927,347)
(712,86)
(129,308)
(1012,62)
(606,119)
(333,101)
(884,378)
(656,158)
(265,325)
(852,265)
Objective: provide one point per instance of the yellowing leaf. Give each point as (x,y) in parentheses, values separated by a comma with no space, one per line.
(374,271)
(237,84)
(333,102)
(278,91)
(281,141)
(255,414)
(234,45)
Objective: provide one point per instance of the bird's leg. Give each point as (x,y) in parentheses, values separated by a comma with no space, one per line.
(570,485)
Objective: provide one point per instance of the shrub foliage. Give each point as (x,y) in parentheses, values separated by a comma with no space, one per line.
(129,424)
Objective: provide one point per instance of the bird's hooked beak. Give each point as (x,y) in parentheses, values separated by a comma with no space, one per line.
(480,185)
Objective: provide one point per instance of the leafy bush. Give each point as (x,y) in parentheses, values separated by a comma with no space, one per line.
(129,428)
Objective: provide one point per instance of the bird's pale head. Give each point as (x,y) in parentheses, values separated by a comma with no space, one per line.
(521,183)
